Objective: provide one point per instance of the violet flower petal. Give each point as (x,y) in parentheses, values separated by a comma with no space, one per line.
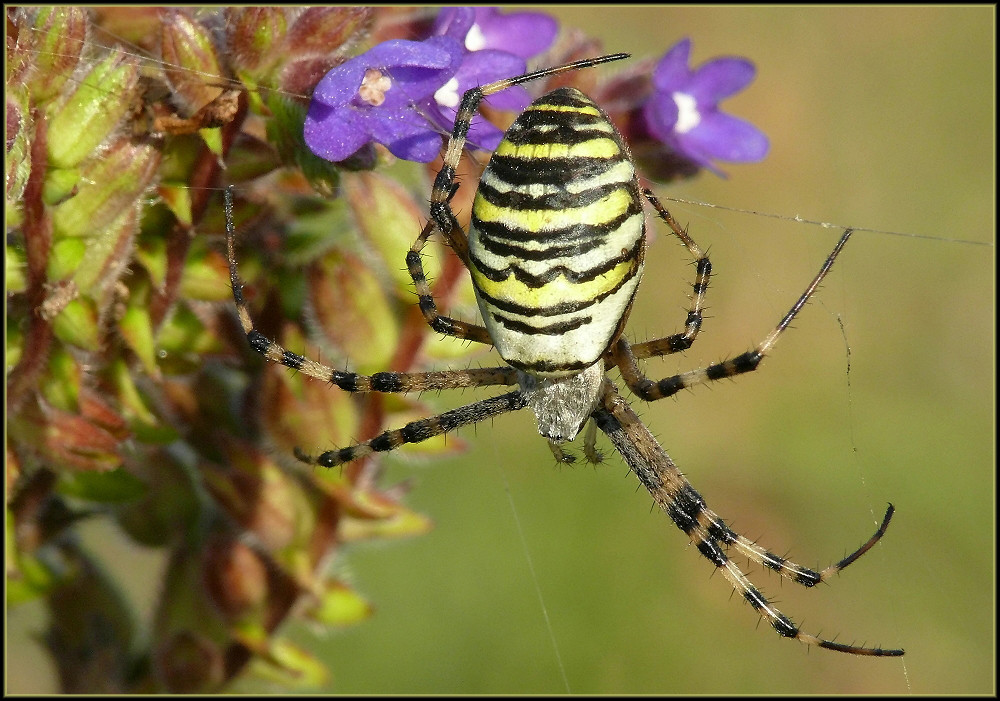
(683,110)
(720,78)
(661,113)
(523,34)
(454,22)
(488,65)
(334,134)
(672,73)
(727,138)
(406,134)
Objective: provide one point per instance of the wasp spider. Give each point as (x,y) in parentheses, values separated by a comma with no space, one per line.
(555,250)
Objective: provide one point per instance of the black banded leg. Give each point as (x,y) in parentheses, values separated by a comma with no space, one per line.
(437,321)
(722,534)
(646,389)
(418,431)
(703,266)
(686,508)
(352,382)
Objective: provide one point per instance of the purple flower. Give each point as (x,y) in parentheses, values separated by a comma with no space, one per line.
(405,94)
(523,34)
(497,46)
(371,97)
(683,111)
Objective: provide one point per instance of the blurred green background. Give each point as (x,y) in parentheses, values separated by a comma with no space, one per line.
(878,118)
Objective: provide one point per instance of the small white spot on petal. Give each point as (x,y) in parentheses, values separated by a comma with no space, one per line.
(474,40)
(687,112)
(447,94)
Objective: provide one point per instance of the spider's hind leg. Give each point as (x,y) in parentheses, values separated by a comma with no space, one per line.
(686,508)
(805,576)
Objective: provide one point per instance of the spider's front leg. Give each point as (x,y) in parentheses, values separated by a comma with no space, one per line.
(443,219)
(440,323)
(625,356)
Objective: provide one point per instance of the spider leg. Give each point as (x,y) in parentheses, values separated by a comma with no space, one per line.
(594,456)
(561,455)
(417,431)
(686,508)
(590,451)
(625,357)
(438,322)
(692,325)
(352,382)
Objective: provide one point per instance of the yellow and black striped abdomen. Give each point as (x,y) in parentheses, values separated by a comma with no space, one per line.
(557,237)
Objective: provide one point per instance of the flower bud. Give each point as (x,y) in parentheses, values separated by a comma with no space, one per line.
(262,498)
(177,198)
(284,130)
(88,440)
(100,101)
(136,328)
(189,662)
(256,36)
(77,323)
(48,50)
(112,184)
(18,159)
(323,30)
(235,578)
(289,666)
(15,267)
(389,218)
(339,605)
(206,276)
(169,505)
(65,258)
(189,57)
